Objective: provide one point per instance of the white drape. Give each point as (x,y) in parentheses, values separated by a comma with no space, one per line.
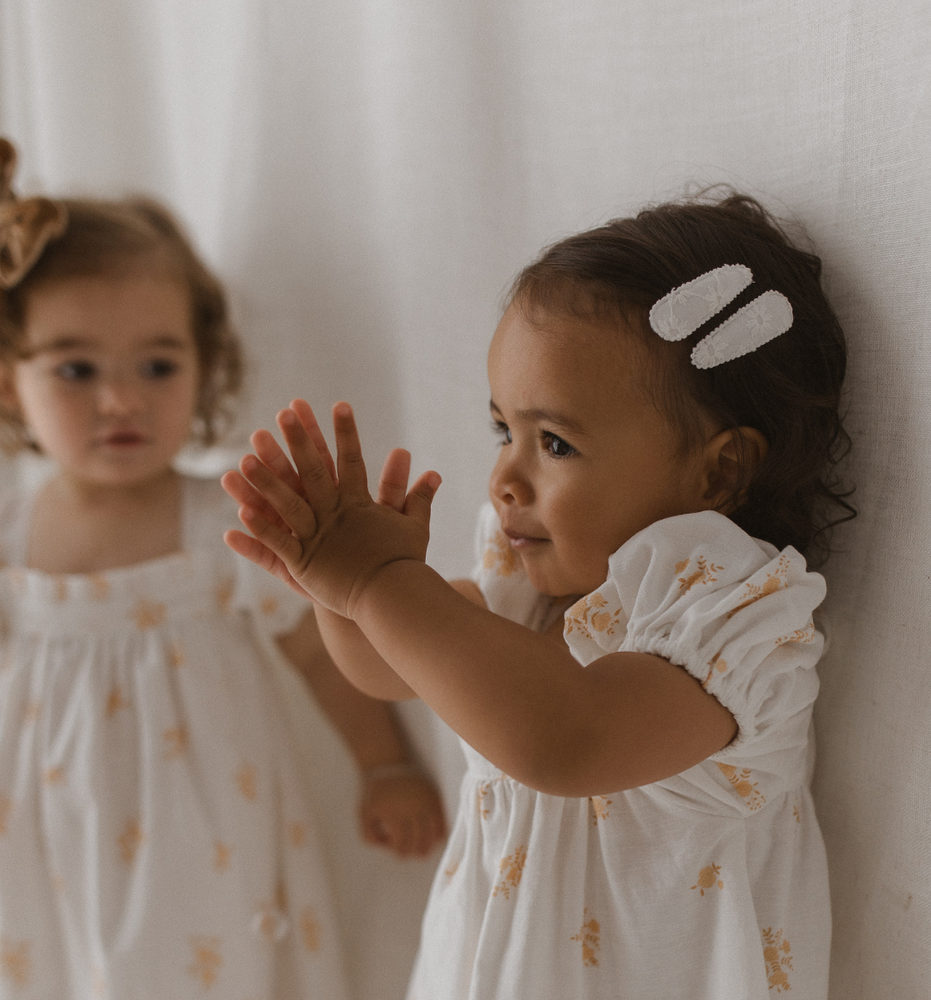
(368,176)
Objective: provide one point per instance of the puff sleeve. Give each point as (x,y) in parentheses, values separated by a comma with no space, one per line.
(732,610)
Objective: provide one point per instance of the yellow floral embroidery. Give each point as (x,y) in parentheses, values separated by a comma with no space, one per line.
(100,586)
(590,936)
(777,954)
(6,805)
(269,605)
(176,742)
(222,855)
(800,636)
(500,557)
(453,868)
(246,778)
(272,924)
(130,840)
(796,813)
(207,960)
(224,594)
(480,795)
(297,832)
(310,930)
(512,867)
(745,788)
(31,712)
(703,573)
(148,614)
(716,664)
(754,592)
(599,808)
(54,776)
(708,878)
(115,701)
(589,613)
(15,961)
(176,655)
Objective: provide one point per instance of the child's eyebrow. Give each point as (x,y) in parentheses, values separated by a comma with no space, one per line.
(560,420)
(73,342)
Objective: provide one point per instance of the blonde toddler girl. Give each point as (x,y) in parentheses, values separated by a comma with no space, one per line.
(155,834)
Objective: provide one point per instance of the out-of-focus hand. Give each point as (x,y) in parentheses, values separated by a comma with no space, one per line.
(402,812)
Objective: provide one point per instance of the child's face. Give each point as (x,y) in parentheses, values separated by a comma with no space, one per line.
(586,460)
(109,382)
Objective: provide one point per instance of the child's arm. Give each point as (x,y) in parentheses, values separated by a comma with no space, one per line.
(518,697)
(400,808)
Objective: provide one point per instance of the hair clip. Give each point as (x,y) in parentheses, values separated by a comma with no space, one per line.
(752,326)
(26,225)
(682,311)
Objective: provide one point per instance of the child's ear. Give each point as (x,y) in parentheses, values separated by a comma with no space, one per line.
(730,457)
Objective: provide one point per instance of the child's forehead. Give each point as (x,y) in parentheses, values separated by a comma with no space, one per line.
(565,340)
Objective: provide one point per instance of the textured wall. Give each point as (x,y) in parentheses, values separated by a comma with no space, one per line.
(368,176)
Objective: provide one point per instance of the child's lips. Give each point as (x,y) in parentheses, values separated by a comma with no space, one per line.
(123,439)
(518,540)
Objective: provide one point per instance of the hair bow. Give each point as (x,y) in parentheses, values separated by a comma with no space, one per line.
(26,225)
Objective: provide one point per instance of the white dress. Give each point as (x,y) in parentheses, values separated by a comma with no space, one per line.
(155,835)
(710,885)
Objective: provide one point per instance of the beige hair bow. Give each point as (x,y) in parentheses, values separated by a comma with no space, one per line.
(26,225)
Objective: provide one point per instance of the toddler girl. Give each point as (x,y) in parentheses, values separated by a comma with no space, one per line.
(631,668)
(155,833)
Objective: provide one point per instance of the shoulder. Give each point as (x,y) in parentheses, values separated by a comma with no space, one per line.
(734,611)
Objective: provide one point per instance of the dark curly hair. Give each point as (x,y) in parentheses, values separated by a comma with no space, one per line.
(789,389)
(115,238)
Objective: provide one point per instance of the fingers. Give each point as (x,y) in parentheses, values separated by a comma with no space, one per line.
(392,484)
(272,456)
(419,500)
(316,479)
(242,491)
(350,466)
(306,416)
(293,510)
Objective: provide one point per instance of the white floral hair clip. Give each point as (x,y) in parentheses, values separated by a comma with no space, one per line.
(682,311)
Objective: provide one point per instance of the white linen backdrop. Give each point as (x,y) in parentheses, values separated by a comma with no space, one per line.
(368,176)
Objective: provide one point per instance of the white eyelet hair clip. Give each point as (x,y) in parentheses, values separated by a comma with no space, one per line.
(682,311)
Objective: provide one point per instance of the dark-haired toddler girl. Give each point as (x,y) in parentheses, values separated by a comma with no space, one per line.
(632,666)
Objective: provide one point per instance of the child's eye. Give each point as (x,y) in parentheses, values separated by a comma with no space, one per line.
(159,368)
(76,371)
(502,430)
(556,447)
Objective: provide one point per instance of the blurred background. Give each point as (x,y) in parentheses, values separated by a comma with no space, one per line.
(367,177)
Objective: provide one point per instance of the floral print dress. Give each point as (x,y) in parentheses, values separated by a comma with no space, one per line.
(711,884)
(155,835)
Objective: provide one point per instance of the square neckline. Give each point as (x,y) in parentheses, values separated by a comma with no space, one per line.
(16,536)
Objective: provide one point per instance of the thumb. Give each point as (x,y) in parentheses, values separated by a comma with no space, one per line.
(420,498)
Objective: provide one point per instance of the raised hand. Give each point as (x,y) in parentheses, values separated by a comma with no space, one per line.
(324,534)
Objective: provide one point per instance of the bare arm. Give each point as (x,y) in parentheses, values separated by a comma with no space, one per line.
(400,807)
(518,697)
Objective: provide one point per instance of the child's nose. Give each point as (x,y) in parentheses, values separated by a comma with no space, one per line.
(508,483)
(118,397)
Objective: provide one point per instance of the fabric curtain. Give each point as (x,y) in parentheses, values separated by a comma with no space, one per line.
(368,176)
